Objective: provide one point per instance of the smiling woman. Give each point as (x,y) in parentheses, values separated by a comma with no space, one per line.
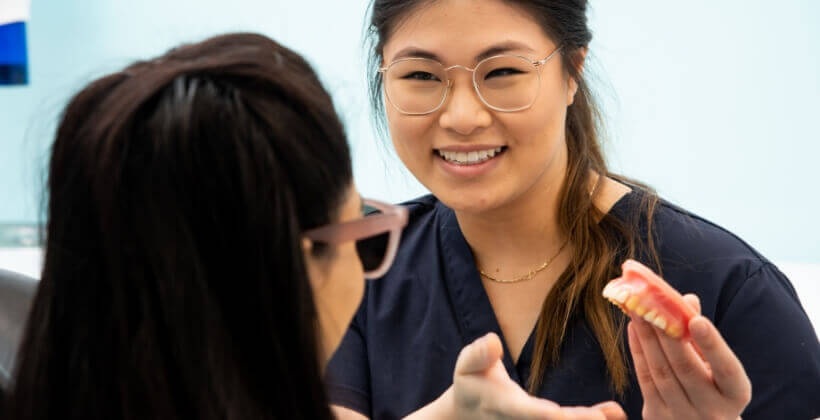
(503,80)
(487,104)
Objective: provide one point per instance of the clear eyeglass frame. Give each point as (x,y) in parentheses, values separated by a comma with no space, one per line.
(537,64)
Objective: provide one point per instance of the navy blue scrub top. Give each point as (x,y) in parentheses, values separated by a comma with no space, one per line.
(401,348)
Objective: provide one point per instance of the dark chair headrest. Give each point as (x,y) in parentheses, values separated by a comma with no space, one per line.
(16,294)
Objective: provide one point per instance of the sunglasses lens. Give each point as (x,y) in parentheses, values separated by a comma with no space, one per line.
(372,250)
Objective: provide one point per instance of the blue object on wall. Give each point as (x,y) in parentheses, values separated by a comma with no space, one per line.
(13,56)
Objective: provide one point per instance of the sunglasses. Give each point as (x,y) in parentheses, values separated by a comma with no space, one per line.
(376,234)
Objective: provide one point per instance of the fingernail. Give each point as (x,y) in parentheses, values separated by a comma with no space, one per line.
(698,327)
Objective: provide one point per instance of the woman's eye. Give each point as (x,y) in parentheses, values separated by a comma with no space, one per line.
(506,71)
(421,75)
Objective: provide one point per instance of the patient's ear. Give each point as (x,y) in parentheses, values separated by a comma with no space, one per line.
(307,245)
(311,264)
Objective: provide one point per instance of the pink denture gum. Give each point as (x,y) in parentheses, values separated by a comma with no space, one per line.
(640,292)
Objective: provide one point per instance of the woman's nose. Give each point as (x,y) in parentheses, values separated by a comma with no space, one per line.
(463,112)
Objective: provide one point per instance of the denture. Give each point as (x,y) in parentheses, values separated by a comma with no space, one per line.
(642,293)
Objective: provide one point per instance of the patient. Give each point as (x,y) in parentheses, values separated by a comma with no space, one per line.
(205,249)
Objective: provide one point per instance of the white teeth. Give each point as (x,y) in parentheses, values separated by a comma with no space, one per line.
(622,297)
(608,290)
(660,322)
(469,158)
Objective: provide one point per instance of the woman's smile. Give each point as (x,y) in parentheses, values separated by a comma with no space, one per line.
(469,161)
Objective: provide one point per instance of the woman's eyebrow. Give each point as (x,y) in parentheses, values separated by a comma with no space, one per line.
(415,52)
(502,48)
(495,49)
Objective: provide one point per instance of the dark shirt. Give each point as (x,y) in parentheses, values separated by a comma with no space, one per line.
(401,348)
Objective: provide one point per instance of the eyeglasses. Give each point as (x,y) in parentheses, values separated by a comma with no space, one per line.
(506,83)
(377,235)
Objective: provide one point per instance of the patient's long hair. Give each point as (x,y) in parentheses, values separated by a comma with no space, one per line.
(174,283)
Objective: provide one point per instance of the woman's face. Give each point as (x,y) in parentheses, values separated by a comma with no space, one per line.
(337,280)
(533,145)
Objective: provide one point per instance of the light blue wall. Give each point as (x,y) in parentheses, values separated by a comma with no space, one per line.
(713,103)
(716,105)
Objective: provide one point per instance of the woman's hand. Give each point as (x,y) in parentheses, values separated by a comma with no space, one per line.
(482,389)
(701,379)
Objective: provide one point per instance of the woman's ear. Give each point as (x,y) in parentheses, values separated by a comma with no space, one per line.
(307,246)
(573,82)
(311,264)
(583,52)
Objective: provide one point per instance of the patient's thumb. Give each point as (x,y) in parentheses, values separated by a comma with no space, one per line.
(479,355)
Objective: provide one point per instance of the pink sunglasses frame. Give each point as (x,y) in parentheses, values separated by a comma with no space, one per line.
(393,219)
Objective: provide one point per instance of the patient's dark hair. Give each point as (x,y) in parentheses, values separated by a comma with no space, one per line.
(174,283)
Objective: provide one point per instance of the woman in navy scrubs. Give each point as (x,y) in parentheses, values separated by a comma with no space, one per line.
(486,104)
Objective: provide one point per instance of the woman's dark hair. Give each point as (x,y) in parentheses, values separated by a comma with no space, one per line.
(174,283)
(600,242)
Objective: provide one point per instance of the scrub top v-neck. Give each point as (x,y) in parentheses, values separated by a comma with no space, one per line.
(400,350)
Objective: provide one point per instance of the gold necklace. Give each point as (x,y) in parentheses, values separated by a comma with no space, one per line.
(531,274)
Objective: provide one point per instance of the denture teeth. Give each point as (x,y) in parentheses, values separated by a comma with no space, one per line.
(640,310)
(619,306)
(607,292)
(660,322)
(632,302)
(650,316)
(674,331)
(621,296)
